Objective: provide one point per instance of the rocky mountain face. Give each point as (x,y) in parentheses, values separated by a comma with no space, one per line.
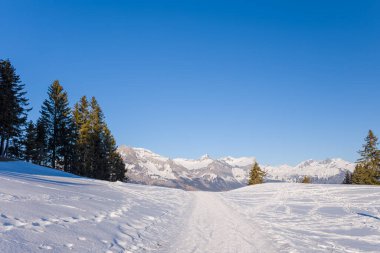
(206,173)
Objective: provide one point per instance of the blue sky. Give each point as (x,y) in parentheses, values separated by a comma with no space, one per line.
(283,81)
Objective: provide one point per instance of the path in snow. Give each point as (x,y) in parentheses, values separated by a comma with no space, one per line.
(215,227)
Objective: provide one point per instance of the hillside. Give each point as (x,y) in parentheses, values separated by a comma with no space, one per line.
(45,210)
(206,173)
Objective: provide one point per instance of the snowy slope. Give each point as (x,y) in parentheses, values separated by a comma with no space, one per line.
(226,173)
(312,218)
(44,210)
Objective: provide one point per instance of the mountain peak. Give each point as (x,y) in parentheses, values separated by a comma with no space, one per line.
(206,173)
(205,157)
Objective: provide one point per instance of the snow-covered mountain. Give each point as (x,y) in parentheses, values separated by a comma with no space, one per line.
(206,173)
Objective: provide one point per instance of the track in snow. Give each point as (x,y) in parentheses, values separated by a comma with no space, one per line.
(215,227)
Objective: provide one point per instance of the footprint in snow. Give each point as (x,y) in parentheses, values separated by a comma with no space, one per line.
(69,245)
(81,238)
(47,247)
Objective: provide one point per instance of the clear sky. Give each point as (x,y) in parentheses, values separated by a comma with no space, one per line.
(283,81)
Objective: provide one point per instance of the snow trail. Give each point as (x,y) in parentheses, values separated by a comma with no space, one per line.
(215,227)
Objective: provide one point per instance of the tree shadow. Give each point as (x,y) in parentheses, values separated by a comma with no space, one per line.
(31,172)
(369,215)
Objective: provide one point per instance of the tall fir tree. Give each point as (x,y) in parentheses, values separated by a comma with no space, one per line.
(41,143)
(56,117)
(96,147)
(81,116)
(30,152)
(115,165)
(256,175)
(367,170)
(347,178)
(13,113)
(97,156)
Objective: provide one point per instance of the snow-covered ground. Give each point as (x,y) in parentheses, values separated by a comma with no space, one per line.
(44,210)
(313,218)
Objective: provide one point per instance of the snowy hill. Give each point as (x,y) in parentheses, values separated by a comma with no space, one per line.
(206,173)
(45,210)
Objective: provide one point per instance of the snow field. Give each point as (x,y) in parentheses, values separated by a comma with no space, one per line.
(45,210)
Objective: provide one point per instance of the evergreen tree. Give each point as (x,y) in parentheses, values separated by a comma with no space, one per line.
(306,180)
(370,154)
(56,116)
(41,144)
(13,112)
(115,165)
(98,160)
(30,152)
(347,178)
(256,175)
(97,156)
(367,169)
(81,116)
(364,174)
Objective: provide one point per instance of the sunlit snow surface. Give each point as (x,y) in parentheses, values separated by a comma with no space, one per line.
(44,210)
(313,218)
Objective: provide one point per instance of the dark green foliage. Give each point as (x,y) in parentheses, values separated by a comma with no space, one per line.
(56,117)
(41,143)
(370,154)
(30,152)
(13,113)
(81,117)
(367,170)
(365,174)
(256,175)
(97,156)
(77,141)
(347,178)
(306,180)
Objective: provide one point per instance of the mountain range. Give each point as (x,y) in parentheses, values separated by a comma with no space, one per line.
(206,173)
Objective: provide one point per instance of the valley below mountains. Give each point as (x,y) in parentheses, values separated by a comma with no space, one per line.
(209,174)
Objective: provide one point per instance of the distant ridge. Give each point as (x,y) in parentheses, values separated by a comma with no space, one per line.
(206,173)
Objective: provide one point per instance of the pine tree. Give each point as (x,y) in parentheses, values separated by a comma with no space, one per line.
(370,154)
(56,116)
(96,147)
(81,116)
(256,175)
(306,180)
(30,152)
(98,160)
(364,174)
(367,169)
(41,144)
(13,113)
(347,178)
(115,165)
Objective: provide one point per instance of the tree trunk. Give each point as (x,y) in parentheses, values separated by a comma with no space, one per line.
(2,147)
(6,148)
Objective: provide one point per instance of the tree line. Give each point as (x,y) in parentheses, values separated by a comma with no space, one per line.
(75,140)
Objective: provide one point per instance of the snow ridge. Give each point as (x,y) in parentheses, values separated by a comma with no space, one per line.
(207,173)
